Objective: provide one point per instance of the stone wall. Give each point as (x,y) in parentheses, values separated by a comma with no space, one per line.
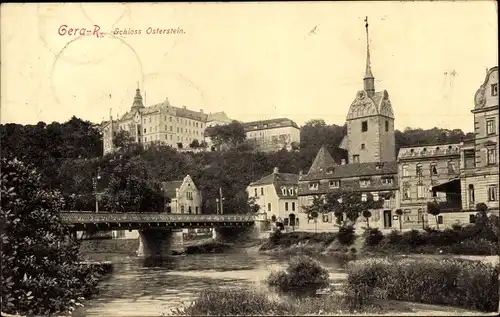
(123,246)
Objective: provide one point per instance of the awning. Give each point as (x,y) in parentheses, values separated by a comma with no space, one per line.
(450,186)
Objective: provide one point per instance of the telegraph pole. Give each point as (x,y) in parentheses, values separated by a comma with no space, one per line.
(94,183)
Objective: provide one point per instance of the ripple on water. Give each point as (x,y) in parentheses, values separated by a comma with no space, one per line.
(141,287)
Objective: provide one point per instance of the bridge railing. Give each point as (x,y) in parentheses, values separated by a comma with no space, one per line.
(101,217)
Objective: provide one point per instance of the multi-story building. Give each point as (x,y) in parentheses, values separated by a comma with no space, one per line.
(162,122)
(371,168)
(422,168)
(273,134)
(185,198)
(479,178)
(276,194)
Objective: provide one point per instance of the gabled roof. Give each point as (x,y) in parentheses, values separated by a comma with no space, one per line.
(322,162)
(269,124)
(170,187)
(274,178)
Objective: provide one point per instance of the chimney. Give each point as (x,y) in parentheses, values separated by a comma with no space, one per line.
(176,192)
(275,170)
(184,107)
(342,162)
(201,110)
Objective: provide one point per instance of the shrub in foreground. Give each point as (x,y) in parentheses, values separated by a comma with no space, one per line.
(41,274)
(346,235)
(280,239)
(460,283)
(227,302)
(303,274)
(373,236)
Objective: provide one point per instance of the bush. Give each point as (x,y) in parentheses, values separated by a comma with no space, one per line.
(279,239)
(460,283)
(373,236)
(227,302)
(38,257)
(346,235)
(302,274)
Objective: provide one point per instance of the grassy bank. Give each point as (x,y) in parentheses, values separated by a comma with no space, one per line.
(453,282)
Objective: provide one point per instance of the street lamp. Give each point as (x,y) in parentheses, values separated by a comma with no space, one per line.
(94,183)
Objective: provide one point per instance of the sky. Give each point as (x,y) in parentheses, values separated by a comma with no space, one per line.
(253,61)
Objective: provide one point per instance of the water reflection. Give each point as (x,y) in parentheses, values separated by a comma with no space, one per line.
(154,286)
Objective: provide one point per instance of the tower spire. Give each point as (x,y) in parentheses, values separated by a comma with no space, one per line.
(369,81)
(137,104)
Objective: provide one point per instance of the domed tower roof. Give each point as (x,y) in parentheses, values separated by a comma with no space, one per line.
(137,104)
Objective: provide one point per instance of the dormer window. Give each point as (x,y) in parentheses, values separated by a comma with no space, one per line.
(494,89)
(378,166)
(334,184)
(364,182)
(313,186)
(329,170)
(283,191)
(290,191)
(387,180)
(364,197)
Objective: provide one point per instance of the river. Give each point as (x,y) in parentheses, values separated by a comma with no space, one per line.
(140,287)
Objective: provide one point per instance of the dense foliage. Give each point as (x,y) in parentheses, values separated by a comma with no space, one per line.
(480,238)
(459,283)
(69,156)
(303,274)
(38,257)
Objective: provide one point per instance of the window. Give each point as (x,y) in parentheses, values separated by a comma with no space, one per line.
(171,129)
(149,120)
(334,184)
(407,215)
(386,125)
(145,130)
(255,192)
(262,191)
(182,209)
(375,196)
(313,186)
(451,167)
(269,207)
(472,218)
(492,156)
(420,215)
(290,191)
(355,158)
(326,218)
(362,146)
(286,206)
(440,219)
(364,182)
(283,191)
(471,194)
(189,195)
(364,126)
(405,171)
(293,206)
(418,170)
(387,180)
(363,197)
(434,170)
(490,126)
(420,191)
(492,193)
(177,129)
(170,119)
(329,170)
(494,89)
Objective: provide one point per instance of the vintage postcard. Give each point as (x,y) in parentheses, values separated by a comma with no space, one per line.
(250,158)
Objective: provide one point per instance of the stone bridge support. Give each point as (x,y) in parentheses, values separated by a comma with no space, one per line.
(240,234)
(155,242)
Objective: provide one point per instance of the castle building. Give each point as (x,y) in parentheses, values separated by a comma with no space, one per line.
(371,168)
(479,177)
(273,134)
(162,122)
(421,169)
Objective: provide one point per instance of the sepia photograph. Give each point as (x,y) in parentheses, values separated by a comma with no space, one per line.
(335,158)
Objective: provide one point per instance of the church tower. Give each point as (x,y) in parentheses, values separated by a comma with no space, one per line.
(137,104)
(370,121)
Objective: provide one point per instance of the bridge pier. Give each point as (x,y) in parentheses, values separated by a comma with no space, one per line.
(155,242)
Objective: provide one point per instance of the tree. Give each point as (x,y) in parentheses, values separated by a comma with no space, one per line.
(367,214)
(253,205)
(434,209)
(195,144)
(399,212)
(273,218)
(232,134)
(41,274)
(351,203)
(122,138)
(315,208)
